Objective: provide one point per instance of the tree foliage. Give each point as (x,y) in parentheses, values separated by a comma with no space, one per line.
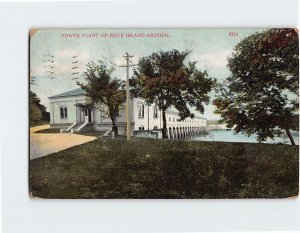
(166,79)
(103,90)
(37,111)
(261,95)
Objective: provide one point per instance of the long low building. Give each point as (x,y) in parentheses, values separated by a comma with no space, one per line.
(71,111)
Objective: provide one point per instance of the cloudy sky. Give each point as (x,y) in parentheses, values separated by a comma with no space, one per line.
(52,52)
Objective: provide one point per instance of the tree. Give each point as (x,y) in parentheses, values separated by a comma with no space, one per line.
(37,111)
(103,90)
(164,78)
(261,95)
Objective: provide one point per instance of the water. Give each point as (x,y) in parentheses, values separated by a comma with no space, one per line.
(231,136)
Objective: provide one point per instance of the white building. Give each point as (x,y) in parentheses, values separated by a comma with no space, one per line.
(70,110)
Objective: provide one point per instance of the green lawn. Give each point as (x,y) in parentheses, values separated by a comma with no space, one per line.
(57,130)
(146,168)
(50,130)
(39,123)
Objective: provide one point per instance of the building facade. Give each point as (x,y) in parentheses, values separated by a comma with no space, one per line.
(70,110)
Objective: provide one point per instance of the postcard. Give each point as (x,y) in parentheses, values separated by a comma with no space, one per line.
(164,113)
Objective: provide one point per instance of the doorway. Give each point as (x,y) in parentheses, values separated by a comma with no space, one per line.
(87,115)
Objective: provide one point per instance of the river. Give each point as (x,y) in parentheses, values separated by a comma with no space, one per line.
(231,136)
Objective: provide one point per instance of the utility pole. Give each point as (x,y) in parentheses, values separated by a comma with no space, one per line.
(128,61)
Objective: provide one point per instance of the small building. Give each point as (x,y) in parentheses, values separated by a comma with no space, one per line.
(70,110)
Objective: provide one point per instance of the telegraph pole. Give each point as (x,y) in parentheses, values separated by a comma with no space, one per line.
(128,61)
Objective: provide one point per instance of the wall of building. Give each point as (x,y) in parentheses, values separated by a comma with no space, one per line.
(148,121)
(73,112)
(101,117)
(102,121)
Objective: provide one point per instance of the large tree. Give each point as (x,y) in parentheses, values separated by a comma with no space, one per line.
(261,95)
(103,90)
(167,79)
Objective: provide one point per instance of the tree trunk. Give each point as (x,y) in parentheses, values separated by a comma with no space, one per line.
(290,136)
(113,120)
(114,128)
(164,129)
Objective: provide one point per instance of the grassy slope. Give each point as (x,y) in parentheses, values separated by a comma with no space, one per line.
(167,169)
(50,130)
(38,123)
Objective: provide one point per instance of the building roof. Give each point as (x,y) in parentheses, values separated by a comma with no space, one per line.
(78,91)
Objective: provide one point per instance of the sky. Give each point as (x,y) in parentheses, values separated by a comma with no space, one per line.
(55,52)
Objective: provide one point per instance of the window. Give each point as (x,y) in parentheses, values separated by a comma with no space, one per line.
(63,113)
(141,127)
(169,118)
(141,110)
(155,127)
(155,112)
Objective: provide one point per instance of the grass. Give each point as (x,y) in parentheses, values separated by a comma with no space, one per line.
(57,130)
(147,168)
(39,123)
(49,130)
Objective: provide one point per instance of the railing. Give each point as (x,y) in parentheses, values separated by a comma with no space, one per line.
(68,129)
(82,126)
(107,133)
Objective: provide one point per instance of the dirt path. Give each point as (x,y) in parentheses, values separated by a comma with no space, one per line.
(42,144)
